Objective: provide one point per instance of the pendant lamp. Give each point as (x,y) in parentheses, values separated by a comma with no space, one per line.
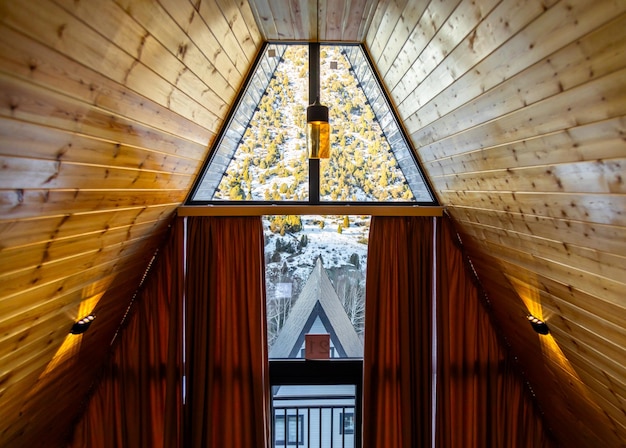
(318,131)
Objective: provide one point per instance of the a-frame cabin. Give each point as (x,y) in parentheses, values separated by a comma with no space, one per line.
(516,111)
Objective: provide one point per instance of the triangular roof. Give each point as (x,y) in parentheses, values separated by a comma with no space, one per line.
(516,114)
(318,299)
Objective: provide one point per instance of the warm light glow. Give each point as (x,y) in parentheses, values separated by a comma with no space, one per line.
(317,131)
(550,348)
(71,344)
(318,139)
(530,297)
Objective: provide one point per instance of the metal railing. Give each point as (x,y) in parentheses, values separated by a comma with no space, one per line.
(331,426)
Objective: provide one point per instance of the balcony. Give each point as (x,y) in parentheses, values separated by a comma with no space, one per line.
(316,404)
(314,427)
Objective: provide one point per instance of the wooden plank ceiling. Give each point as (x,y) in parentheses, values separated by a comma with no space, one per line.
(517,111)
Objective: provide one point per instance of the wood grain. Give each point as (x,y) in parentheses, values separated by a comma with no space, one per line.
(516,111)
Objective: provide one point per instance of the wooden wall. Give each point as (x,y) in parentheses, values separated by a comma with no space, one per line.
(107,109)
(314,20)
(517,110)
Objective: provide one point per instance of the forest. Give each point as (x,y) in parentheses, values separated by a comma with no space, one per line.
(271,161)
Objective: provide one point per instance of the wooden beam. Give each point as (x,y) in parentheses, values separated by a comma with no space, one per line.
(257,210)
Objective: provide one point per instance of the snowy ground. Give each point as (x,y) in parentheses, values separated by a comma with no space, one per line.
(334,247)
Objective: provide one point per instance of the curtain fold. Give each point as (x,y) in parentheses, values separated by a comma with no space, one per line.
(482,400)
(397,352)
(226,351)
(137,401)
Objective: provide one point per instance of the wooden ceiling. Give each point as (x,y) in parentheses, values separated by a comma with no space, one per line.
(517,111)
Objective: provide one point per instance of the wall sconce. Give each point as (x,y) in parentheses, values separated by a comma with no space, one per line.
(538,325)
(83,324)
(317,131)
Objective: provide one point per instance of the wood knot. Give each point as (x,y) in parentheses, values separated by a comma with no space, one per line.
(61,30)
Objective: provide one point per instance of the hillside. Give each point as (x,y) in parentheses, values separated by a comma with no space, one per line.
(271,161)
(290,255)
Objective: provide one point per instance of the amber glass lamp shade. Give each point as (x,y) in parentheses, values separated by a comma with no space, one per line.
(318,131)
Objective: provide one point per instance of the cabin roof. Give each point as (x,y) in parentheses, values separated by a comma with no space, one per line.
(318,299)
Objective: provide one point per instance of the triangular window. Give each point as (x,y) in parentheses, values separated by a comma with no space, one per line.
(261,154)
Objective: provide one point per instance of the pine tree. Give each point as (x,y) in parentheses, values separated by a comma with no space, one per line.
(384,181)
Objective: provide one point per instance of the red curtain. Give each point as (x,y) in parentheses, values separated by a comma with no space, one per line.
(482,400)
(397,352)
(226,351)
(137,402)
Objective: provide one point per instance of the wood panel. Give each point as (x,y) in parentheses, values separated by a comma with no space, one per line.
(607,266)
(420,37)
(401,36)
(60,227)
(18,204)
(44,66)
(169,85)
(84,364)
(45,143)
(598,176)
(21,173)
(605,94)
(20,281)
(572,328)
(516,111)
(107,111)
(569,394)
(241,20)
(460,26)
(595,237)
(589,208)
(24,257)
(595,141)
(35,104)
(265,20)
(313,20)
(389,19)
(558,27)
(591,56)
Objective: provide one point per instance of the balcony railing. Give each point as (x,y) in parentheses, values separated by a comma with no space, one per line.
(314,426)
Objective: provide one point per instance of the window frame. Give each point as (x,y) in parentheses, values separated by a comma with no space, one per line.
(314,173)
(347,417)
(299,427)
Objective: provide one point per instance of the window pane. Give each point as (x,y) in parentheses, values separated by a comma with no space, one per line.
(261,154)
(315,282)
(362,166)
(270,161)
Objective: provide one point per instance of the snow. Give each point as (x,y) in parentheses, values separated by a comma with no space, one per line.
(335,248)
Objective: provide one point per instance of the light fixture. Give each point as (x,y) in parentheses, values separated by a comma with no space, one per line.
(83,324)
(317,130)
(538,325)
